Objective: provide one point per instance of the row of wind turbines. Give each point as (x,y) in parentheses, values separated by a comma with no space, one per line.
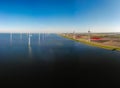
(29,37)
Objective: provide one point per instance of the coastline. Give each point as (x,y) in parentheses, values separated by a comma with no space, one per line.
(113,48)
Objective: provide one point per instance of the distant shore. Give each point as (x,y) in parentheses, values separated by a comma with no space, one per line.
(113,48)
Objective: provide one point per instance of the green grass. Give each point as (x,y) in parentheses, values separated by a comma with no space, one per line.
(95,44)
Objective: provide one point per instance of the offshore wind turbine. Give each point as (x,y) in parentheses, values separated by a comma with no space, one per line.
(20,36)
(29,45)
(39,39)
(29,39)
(43,36)
(11,38)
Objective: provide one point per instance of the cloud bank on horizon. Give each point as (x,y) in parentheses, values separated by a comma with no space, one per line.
(59,15)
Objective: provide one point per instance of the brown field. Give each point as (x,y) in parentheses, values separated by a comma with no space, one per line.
(111,39)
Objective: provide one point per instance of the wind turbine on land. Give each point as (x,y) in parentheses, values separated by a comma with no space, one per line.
(89,35)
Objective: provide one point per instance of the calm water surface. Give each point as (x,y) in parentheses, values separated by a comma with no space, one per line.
(52,57)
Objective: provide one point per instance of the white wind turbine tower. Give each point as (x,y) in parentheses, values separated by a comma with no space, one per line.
(29,47)
(11,38)
(73,34)
(43,36)
(39,39)
(29,39)
(89,35)
(20,36)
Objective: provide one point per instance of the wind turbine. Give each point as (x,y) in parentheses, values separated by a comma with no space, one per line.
(73,34)
(29,39)
(20,36)
(39,39)
(89,35)
(11,37)
(43,36)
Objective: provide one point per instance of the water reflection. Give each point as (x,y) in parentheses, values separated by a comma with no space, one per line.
(30,51)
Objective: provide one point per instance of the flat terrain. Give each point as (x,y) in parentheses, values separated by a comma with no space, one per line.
(104,40)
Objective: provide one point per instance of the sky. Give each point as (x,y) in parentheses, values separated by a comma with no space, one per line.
(59,15)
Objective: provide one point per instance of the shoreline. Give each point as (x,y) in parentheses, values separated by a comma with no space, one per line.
(113,48)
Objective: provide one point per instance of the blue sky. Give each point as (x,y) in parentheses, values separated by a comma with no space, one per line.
(59,15)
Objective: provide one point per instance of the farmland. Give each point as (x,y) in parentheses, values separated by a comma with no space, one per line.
(103,40)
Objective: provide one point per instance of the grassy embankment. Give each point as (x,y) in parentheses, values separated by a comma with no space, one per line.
(113,48)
